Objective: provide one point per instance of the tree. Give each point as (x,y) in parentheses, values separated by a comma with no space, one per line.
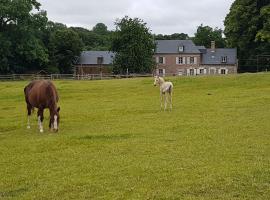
(134,46)
(174,36)
(20,34)
(100,28)
(264,33)
(206,34)
(247,28)
(65,47)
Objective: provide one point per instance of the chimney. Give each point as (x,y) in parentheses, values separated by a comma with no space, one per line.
(213,46)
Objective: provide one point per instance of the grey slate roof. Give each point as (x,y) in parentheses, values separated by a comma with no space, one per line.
(171,46)
(90,57)
(202,49)
(214,58)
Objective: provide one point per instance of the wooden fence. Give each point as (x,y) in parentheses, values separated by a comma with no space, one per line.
(17,77)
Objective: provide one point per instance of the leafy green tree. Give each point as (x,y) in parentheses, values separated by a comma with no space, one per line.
(5,53)
(206,34)
(174,36)
(100,29)
(65,47)
(20,30)
(134,46)
(264,33)
(97,39)
(247,28)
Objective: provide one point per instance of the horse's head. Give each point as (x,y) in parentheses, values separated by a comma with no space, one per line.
(54,120)
(156,80)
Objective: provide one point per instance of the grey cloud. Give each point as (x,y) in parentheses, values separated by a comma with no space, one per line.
(161,16)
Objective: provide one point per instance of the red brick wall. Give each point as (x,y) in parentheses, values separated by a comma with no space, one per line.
(170,65)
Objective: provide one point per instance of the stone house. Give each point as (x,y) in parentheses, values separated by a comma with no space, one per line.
(94,62)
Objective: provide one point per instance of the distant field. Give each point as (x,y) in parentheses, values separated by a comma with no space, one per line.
(115,143)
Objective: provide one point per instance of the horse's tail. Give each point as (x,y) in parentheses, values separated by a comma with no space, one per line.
(26,91)
(170,89)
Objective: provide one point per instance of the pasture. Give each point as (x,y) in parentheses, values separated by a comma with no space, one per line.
(115,143)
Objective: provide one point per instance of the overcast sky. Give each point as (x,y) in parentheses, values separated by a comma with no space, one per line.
(161,16)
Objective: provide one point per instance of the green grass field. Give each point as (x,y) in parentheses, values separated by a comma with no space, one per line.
(115,143)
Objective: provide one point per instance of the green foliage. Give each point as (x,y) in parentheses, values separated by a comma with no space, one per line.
(247,28)
(174,36)
(65,46)
(20,30)
(100,29)
(115,143)
(5,53)
(98,39)
(206,34)
(264,33)
(134,46)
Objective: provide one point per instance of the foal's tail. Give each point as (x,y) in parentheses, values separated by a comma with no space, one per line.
(170,89)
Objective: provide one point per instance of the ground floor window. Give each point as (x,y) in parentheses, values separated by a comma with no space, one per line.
(201,71)
(161,72)
(223,71)
(212,71)
(180,72)
(191,72)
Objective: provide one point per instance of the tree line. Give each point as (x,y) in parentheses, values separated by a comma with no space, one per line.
(30,42)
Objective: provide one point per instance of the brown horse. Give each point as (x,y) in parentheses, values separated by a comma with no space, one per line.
(42,94)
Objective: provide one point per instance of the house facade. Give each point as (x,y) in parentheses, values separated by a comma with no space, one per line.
(94,62)
(183,57)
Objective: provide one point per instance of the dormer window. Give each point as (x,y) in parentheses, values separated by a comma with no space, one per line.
(181,49)
(223,59)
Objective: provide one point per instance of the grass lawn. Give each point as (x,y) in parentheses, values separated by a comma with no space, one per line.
(115,143)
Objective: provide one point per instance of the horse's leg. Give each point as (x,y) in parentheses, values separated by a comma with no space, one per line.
(40,119)
(161,101)
(165,101)
(29,110)
(170,100)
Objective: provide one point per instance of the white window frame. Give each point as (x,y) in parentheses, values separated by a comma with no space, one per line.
(161,72)
(201,69)
(225,69)
(181,49)
(180,60)
(193,70)
(224,59)
(158,60)
(192,60)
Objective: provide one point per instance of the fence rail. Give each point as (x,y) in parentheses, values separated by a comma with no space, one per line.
(16,77)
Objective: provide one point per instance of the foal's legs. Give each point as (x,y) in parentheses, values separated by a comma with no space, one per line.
(170,100)
(40,119)
(165,101)
(29,109)
(161,100)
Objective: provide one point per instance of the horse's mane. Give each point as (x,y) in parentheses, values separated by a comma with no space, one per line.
(162,79)
(51,90)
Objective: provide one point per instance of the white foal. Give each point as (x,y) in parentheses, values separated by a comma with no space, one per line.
(166,89)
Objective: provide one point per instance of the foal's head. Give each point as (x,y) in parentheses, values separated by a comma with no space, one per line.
(158,80)
(54,120)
